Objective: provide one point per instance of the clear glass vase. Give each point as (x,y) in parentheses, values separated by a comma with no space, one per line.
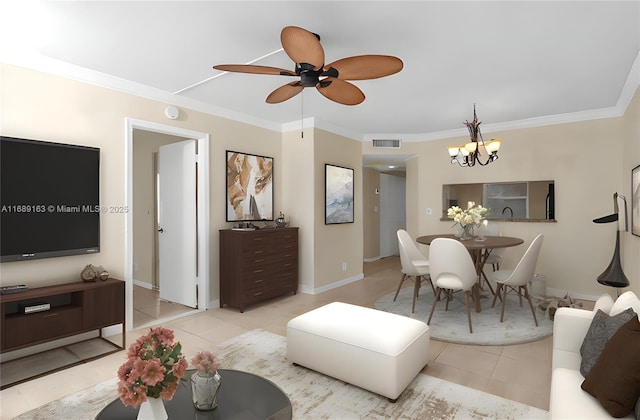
(466,232)
(205,388)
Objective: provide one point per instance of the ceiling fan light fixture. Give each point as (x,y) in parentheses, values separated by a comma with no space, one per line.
(304,49)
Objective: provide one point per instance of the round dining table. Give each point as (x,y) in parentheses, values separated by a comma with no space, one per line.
(480,249)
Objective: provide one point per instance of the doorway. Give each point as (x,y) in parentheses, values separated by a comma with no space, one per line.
(142,138)
(393,214)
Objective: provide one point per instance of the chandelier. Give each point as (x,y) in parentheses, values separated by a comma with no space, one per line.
(470,153)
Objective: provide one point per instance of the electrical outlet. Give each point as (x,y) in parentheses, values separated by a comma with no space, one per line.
(428,211)
(344,266)
(135,267)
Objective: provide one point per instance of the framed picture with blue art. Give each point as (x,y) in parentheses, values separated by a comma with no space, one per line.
(635,200)
(338,202)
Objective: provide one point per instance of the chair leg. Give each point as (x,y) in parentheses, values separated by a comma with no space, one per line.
(528,296)
(466,298)
(496,295)
(432,286)
(416,288)
(520,295)
(404,276)
(446,305)
(435,302)
(504,301)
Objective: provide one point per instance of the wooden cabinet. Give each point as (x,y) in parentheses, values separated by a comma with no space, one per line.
(74,308)
(257,265)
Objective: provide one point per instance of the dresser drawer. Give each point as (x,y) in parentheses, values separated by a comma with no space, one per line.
(257,265)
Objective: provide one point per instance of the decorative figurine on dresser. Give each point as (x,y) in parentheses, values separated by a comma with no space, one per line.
(256,265)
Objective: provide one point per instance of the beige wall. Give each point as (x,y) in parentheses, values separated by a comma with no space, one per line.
(588,161)
(630,159)
(370,214)
(339,243)
(583,158)
(46,107)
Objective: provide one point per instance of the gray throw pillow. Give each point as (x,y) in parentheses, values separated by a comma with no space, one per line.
(600,331)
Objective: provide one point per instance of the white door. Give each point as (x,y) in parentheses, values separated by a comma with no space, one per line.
(178,257)
(392,212)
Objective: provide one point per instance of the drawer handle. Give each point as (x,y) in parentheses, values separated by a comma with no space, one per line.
(259,270)
(258,252)
(288,264)
(257,293)
(260,260)
(258,239)
(258,281)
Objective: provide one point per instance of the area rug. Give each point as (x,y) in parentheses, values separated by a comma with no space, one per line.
(452,326)
(316,396)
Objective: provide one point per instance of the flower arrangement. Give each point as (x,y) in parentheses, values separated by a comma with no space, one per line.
(153,368)
(473,215)
(206,363)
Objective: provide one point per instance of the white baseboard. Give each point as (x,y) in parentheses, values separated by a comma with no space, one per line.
(142,284)
(372,259)
(310,291)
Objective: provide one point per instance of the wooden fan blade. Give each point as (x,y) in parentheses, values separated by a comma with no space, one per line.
(340,91)
(363,67)
(302,46)
(249,68)
(284,92)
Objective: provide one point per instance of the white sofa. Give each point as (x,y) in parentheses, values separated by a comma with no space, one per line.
(567,399)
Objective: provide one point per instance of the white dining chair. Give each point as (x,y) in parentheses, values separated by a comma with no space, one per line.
(452,270)
(517,279)
(414,265)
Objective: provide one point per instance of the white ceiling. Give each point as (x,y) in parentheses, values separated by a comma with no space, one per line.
(518,61)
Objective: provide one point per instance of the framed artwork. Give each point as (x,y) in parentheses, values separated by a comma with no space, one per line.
(338,202)
(249,187)
(635,200)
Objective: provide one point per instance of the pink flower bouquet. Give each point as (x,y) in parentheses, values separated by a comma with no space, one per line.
(205,362)
(153,368)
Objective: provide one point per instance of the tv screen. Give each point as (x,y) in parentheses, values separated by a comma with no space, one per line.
(49,199)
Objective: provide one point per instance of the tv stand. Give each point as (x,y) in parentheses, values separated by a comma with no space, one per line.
(73,308)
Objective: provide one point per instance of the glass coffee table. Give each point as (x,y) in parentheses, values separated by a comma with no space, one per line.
(242,395)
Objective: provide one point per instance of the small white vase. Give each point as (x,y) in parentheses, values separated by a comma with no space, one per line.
(152,409)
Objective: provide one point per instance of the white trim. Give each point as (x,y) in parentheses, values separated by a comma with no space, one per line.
(334,285)
(142,284)
(204,269)
(42,63)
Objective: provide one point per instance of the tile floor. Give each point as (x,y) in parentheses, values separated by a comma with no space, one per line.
(518,372)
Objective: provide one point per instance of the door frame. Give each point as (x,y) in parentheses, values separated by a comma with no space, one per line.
(204,269)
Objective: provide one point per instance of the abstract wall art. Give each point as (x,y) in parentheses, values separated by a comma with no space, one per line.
(338,195)
(249,187)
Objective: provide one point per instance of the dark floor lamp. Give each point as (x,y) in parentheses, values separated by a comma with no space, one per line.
(613,275)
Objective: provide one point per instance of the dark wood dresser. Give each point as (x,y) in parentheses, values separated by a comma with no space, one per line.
(256,265)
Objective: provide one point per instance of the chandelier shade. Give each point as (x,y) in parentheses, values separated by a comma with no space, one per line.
(472,152)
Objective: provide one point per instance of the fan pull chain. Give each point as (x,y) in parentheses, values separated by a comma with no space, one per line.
(302,114)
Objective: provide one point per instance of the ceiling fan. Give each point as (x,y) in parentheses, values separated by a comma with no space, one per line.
(304,48)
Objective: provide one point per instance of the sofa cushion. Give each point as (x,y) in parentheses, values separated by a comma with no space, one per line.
(615,378)
(626,300)
(604,303)
(600,331)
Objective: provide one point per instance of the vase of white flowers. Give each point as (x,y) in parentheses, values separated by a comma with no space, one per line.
(467,219)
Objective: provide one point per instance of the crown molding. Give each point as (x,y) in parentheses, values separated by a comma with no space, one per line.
(45,64)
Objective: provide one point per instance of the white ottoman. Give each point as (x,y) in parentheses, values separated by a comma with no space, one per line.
(375,350)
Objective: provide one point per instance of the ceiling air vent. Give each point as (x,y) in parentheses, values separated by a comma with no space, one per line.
(386,143)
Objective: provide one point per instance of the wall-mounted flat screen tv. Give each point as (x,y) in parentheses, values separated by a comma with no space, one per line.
(49,199)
